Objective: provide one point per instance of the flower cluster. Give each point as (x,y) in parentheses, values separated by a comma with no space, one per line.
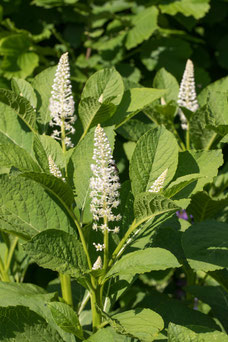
(159,182)
(187,94)
(104,185)
(98,264)
(54,169)
(62,103)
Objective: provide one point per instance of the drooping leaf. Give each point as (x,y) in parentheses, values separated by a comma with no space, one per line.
(66,318)
(164,80)
(134,100)
(205,245)
(178,333)
(216,297)
(42,85)
(144,24)
(26,208)
(143,261)
(143,324)
(58,251)
(19,323)
(203,206)
(195,8)
(156,151)
(24,88)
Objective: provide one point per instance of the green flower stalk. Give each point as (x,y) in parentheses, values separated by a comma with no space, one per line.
(187,94)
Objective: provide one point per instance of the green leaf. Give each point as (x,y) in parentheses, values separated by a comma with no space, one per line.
(21,106)
(180,185)
(54,185)
(148,205)
(143,324)
(42,85)
(133,129)
(178,333)
(79,165)
(206,163)
(214,296)
(156,151)
(108,334)
(217,86)
(195,8)
(24,88)
(203,206)
(53,148)
(102,93)
(13,155)
(21,324)
(13,121)
(149,259)
(164,80)
(26,208)
(144,24)
(134,100)
(205,245)
(58,251)
(66,318)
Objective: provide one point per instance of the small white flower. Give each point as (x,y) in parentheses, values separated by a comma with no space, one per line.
(98,264)
(99,247)
(159,182)
(187,94)
(61,102)
(54,169)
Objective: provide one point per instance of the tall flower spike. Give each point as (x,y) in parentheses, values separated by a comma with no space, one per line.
(62,103)
(104,185)
(54,169)
(187,94)
(158,184)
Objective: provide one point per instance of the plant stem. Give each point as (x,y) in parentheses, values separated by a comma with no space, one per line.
(95,297)
(188,138)
(211,142)
(106,244)
(66,288)
(181,144)
(4,274)
(10,255)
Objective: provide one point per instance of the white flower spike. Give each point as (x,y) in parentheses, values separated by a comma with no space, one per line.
(187,94)
(98,264)
(62,103)
(54,170)
(104,184)
(158,184)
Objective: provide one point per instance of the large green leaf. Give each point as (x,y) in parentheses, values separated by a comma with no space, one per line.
(217,86)
(179,185)
(26,208)
(148,205)
(143,324)
(58,251)
(178,333)
(19,323)
(206,163)
(66,318)
(156,151)
(205,245)
(164,80)
(134,100)
(16,120)
(24,88)
(216,297)
(54,185)
(195,8)
(79,165)
(133,129)
(42,85)
(108,334)
(143,261)
(144,24)
(13,155)
(203,206)
(102,93)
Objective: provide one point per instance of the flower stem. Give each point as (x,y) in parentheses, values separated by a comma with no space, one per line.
(66,288)
(106,244)
(188,138)
(10,255)
(4,274)
(95,297)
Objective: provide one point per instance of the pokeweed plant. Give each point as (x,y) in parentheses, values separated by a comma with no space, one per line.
(62,199)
